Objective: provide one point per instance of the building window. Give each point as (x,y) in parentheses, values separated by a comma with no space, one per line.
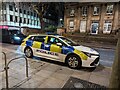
(109,9)
(15,9)
(4,7)
(20,10)
(24,20)
(10,8)
(72,12)
(34,22)
(84,11)
(3,17)
(28,21)
(94,27)
(11,18)
(28,12)
(107,27)
(37,23)
(71,24)
(24,11)
(16,19)
(96,10)
(20,19)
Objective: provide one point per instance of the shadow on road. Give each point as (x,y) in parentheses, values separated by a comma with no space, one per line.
(87,69)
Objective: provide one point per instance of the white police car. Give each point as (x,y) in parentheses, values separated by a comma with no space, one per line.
(60,49)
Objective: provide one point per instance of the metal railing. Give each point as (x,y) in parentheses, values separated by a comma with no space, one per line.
(7,64)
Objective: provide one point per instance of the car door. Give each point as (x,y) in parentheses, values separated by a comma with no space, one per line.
(38,45)
(53,50)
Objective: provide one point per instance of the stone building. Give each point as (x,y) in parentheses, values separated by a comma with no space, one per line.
(93,18)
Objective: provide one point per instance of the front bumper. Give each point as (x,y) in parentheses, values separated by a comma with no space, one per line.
(92,61)
(95,62)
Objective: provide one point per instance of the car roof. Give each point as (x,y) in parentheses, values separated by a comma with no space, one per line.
(45,35)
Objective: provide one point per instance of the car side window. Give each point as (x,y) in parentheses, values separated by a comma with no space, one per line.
(59,41)
(53,40)
(31,38)
(39,38)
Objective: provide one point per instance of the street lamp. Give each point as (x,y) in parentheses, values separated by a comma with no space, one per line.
(61,22)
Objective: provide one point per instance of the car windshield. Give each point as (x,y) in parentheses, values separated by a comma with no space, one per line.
(70,42)
(15,32)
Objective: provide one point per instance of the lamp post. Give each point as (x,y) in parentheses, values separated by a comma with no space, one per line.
(61,22)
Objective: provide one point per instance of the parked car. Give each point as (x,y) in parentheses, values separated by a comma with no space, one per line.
(12,36)
(59,48)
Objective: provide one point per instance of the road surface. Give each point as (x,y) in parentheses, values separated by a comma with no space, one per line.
(106,55)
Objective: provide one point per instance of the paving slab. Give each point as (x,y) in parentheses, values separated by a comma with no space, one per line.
(51,82)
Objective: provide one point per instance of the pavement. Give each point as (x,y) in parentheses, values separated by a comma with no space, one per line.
(44,74)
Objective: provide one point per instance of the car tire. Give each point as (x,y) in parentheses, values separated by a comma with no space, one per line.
(28,52)
(12,41)
(74,62)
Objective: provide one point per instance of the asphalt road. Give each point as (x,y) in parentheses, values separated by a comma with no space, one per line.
(106,55)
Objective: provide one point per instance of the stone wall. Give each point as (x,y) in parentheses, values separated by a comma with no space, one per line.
(101,18)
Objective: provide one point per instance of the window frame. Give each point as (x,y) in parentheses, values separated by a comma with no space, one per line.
(11,18)
(10,7)
(97,11)
(16,19)
(70,27)
(72,12)
(84,11)
(108,9)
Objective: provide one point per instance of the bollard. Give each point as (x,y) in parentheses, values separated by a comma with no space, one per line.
(6,67)
(6,71)
(115,76)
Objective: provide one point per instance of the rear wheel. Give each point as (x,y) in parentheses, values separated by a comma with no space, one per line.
(73,61)
(28,52)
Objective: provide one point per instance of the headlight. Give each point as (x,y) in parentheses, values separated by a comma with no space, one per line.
(88,54)
(17,38)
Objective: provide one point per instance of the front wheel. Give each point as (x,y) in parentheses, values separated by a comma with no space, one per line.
(12,41)
(73,61)
(28,52)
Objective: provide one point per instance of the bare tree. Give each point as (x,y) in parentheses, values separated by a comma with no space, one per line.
(40,8)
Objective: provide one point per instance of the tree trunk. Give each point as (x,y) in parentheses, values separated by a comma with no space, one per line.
(115,76)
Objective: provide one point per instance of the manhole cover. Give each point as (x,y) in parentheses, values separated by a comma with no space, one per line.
(78,85)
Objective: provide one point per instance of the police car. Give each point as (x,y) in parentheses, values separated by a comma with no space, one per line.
(59,48)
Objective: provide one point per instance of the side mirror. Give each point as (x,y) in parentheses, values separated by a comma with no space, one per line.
(59,44)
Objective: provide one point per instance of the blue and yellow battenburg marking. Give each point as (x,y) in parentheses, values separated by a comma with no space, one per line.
(54,48)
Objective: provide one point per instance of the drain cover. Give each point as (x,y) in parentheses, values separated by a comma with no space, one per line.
(78,83)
